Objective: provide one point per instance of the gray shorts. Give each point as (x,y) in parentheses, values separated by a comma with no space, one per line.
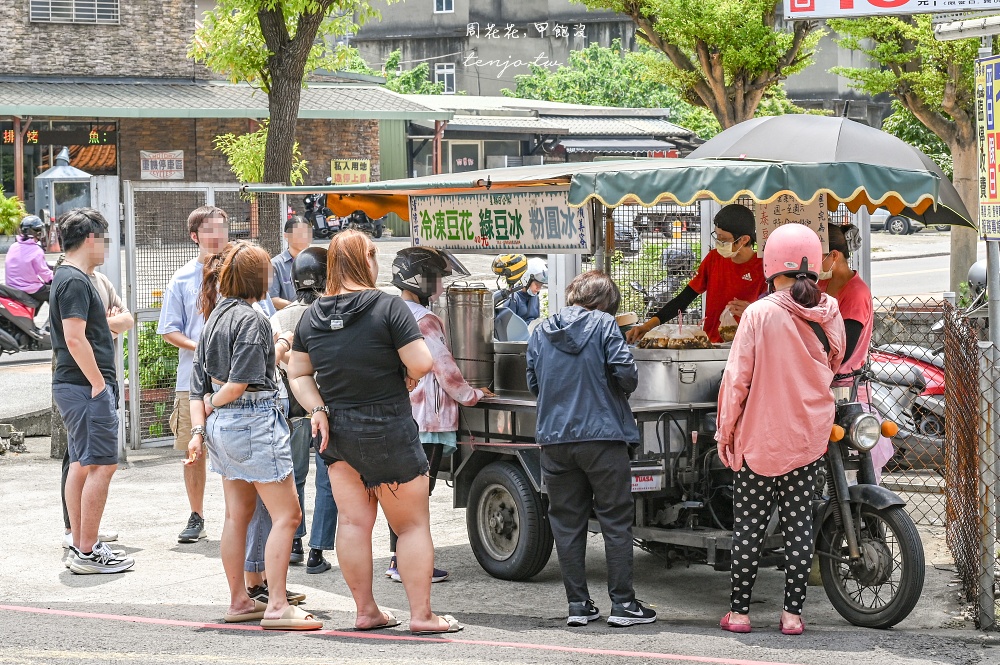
(91,424)
(248,440)
(379,441)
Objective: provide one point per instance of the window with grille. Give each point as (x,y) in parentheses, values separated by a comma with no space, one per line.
(75,11)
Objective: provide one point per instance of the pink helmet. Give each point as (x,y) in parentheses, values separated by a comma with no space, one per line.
(792,249)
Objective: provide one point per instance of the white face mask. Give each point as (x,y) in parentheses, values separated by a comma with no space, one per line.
(825,274)
(725,249)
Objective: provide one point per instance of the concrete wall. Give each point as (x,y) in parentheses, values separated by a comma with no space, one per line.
(151,41)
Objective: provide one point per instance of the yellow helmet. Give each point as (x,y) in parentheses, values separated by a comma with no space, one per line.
(510,266)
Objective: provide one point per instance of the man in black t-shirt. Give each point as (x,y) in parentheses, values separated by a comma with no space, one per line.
(84,388)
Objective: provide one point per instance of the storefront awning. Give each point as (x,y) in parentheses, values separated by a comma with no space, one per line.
(201,99)
(610,146)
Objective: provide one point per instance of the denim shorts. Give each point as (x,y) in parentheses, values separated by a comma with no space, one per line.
(91,423)
(379,441)
(248,440)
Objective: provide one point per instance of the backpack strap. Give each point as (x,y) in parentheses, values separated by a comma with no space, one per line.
(821,334)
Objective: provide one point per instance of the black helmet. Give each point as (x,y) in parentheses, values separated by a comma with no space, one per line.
(309,270)
(417,269)
(32,227)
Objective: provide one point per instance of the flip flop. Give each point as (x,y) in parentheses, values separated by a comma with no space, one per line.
(293,618)
(390,622)
(453,627)
(256,614)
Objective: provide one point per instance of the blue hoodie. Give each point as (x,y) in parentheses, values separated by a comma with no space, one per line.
(582,372)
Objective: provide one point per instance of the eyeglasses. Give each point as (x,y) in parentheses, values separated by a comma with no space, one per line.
(716,238)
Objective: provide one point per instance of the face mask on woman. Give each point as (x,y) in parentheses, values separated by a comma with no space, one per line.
(826,274)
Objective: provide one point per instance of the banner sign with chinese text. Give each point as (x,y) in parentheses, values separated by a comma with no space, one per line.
(804,9)
(162,165)
(787,209)
(350,171)
(988,134)
(502,222)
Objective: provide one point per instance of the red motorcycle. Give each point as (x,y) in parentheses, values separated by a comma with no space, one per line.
(18,331)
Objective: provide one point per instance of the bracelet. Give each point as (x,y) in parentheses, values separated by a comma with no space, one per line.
(211,401)
(324,408)
(287,345)
(198,429)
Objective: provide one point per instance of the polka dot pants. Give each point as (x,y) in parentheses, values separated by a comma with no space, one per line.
(754,503)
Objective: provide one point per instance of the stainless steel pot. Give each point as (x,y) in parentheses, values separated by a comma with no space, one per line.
(510,368)
(679,375)
(468,318)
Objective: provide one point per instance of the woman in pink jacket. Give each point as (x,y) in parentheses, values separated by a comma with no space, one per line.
(787,349)
(418,273)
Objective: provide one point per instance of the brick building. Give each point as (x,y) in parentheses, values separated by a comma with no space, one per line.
(113,81)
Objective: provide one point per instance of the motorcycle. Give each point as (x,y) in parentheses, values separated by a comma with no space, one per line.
(318,215)
(360,221)
(679,264)
(18,331)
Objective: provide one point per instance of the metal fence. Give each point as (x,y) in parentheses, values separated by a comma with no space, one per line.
(157,243)
(971,470)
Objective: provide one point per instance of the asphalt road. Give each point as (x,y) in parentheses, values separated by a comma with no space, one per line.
(168,609)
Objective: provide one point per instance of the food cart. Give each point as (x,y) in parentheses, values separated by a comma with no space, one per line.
(683,493)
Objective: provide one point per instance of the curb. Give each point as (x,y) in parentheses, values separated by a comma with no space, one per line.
(36,423)
(907,257)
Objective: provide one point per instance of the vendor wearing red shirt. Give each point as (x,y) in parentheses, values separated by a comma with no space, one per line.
(839,280)
(730,275)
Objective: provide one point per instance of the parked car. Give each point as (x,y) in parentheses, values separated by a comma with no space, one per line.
(897,225)
(627,240)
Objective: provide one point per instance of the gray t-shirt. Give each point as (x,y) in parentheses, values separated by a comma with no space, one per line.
(235,345)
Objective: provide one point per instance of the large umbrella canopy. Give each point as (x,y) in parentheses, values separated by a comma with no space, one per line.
(652,181)
(811,138)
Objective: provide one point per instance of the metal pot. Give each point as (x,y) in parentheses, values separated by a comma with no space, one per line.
(468,318)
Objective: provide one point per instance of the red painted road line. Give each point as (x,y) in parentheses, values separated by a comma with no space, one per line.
(398,638)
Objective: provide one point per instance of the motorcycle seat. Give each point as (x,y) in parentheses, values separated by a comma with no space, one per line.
(920,353)
(898,374)
(20,296)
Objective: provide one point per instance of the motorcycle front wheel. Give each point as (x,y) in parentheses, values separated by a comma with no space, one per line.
(882,588)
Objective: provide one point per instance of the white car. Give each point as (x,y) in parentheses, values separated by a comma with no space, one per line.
(897,225)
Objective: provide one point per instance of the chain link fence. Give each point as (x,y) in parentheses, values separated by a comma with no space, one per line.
(971,470)
(157,244)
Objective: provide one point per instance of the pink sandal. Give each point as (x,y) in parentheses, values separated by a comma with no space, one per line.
(798,630)
(724,624)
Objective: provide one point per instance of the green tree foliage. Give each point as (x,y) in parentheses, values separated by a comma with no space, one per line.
(904,125)
(274,45)
(245,154)
(724,55)
(11,213)
(934,81)
(599,76)
(416,81)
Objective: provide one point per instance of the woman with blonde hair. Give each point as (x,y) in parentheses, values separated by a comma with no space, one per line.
(233,407)
(366,352)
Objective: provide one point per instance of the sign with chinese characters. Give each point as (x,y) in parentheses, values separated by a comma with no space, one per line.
(540,221)
(551,30)
(63,137)
(162,165)
(988,134)
(787,209)
(803,9)
(350,171)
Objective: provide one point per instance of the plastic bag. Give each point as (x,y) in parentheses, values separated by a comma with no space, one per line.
(673,336)
(727,325)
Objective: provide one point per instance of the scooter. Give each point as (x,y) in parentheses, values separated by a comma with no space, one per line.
(360,221)
(317,214)
(18,331)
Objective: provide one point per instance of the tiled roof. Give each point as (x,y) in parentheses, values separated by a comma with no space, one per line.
(526,123)
(201,100)
(620,127)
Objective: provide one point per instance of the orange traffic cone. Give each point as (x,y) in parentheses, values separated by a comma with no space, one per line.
(55,246)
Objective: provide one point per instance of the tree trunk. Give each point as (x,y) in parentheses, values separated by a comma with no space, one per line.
(964,241)
(283,106)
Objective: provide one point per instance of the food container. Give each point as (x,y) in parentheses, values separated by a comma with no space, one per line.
(468,318)
(679,375)
(510,369)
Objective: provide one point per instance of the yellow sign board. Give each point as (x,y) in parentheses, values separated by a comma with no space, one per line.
(350,171)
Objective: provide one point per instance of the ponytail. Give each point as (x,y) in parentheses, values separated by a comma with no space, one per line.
(805,292)
(209,294)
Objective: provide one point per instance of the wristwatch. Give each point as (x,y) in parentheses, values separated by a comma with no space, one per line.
(324,408)
(198,429)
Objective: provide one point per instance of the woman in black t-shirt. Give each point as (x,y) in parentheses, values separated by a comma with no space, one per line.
(366,352)
(233,388)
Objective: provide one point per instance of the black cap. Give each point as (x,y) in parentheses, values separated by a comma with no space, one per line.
(738,220)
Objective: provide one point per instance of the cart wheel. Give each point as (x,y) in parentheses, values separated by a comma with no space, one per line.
(508,529)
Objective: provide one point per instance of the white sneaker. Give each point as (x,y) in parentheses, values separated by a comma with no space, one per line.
(101,560)
(101,536)
(73,553)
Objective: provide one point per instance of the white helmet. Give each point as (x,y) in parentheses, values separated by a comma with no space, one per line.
(537,271)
